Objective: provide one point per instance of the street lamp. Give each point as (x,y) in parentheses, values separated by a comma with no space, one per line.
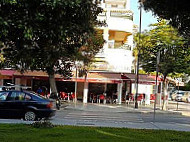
(138,55)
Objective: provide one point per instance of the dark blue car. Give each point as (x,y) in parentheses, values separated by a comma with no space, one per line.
(26,105)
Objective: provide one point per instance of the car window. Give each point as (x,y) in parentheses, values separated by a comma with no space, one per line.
(28,97)
(17,96)
(21,96)
(36,97)
(181,93)
(3,96)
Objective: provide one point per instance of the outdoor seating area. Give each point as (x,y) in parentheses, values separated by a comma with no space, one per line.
(67,96)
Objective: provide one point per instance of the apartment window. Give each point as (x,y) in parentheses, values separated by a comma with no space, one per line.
(102,14)
(114,5)
(111,43)
(108,5)
(121,6)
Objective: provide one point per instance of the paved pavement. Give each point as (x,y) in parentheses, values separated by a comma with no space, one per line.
(122,116)
(179,107)
(172,108)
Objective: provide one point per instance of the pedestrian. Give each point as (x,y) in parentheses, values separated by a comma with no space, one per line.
(44,91)
(39,91)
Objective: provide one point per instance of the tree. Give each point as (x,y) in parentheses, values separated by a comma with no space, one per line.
(163,39)
(46,34)
(89,50)
(177,12)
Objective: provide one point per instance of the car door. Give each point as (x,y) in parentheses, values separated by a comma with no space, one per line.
(16,104)
(3,104)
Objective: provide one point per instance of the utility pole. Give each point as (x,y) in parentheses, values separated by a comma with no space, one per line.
(177,95)
(76,73)
(138,56)
(156,94)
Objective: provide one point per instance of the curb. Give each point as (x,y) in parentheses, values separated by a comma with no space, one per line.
(119,109)
(127,110)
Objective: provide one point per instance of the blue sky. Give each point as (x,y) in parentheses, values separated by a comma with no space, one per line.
(147,17)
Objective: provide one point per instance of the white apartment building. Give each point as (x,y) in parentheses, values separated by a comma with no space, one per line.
(116,55)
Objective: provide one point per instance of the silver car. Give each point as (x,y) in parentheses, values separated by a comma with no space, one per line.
(179,96)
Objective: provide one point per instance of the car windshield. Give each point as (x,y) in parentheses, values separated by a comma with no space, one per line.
(3,96)
(36,96)
(180,93)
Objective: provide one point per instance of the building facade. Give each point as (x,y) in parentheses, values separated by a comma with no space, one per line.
(116,55)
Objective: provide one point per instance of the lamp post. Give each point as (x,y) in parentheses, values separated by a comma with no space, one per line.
(138,55)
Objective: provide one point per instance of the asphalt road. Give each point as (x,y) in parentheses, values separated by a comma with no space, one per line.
(114,116)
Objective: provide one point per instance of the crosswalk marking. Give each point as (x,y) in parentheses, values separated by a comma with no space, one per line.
(95,117)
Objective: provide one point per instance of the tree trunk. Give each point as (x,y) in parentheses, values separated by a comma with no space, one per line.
(85,90)
(164,94)
(52,83)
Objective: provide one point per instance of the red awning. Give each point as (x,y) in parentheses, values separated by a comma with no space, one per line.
(143,78)
(104,77)
(7,72)
(34,75)
(92,77)
(98,77)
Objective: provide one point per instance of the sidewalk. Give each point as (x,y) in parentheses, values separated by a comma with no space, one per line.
(123,108)
(182,108)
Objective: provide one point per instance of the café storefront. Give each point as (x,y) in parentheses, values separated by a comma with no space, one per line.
(114,86)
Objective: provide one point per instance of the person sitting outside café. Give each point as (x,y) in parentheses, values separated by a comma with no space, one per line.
(101,98)
(39,91)
(115,95)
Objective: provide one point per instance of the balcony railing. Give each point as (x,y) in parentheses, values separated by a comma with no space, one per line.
(122,14)
(126,46)
(111,44)
(126,14)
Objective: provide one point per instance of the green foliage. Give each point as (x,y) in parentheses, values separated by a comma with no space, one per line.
(174,54)
(42,124)
(177,12)
(46,34)
(142,71)
(88,51)
(187,86)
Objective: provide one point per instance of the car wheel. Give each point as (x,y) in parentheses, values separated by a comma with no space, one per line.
(30,116)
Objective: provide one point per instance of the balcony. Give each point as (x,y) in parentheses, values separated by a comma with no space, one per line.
(118,20)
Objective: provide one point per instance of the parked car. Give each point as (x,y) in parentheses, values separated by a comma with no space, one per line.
(186,97)
(179,96)
(3,88)
(175,93)
(26,105)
